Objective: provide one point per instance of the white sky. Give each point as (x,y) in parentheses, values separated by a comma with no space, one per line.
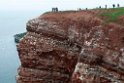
(45,5)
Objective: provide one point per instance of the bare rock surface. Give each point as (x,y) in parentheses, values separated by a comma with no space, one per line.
(71,47)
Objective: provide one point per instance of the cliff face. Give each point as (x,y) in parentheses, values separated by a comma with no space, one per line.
(71,47)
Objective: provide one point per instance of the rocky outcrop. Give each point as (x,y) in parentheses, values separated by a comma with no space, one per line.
(71,47)
(17,37)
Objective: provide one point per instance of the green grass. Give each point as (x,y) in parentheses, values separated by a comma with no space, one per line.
(112,14)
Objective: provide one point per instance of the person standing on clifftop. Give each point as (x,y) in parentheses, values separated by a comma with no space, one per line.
(118,5)
(113,5)
(105,6)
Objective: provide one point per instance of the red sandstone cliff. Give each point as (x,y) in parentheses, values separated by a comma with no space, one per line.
(71,47)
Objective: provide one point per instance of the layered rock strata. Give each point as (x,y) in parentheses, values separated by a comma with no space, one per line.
(71,47)
(101,58)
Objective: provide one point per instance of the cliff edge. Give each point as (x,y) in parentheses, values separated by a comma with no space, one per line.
(71,47)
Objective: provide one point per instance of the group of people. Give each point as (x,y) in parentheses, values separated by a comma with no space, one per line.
(113,5)
(55,9)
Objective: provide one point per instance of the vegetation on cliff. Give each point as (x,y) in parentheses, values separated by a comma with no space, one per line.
(19,36)
(112,14)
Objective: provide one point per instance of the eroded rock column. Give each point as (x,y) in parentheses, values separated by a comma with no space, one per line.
(46,57)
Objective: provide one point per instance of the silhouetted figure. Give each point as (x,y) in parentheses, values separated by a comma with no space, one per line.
(55,9)
(118,5)
(100,7)
(113,5)
(105,6)
(86,8)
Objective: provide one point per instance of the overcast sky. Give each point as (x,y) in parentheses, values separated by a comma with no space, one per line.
(45,5)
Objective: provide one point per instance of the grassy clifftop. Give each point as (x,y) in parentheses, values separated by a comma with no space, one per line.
(113,14)
(107,15)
